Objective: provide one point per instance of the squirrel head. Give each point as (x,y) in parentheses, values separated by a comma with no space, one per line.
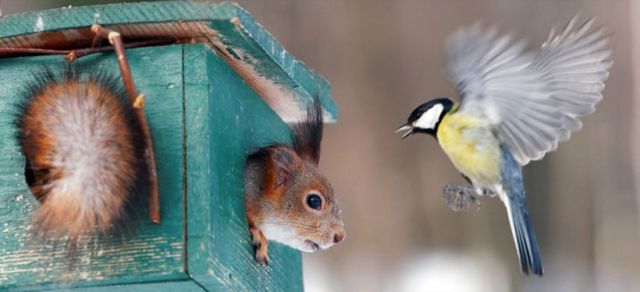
(300,209)
(288,199)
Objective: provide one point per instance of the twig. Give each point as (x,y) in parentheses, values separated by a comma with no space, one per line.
(72,55)
(137,101)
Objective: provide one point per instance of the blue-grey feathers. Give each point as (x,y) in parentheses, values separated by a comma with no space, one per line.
(513,197)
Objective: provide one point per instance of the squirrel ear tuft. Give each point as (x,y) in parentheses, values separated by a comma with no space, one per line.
(281,164)
(307,134)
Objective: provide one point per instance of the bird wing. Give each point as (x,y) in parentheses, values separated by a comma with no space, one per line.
(532,100)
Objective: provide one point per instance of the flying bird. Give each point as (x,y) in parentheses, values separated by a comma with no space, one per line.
(515,106)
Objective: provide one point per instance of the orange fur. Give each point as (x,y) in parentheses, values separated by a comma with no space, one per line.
(279,180)
(79,139)
(275,173)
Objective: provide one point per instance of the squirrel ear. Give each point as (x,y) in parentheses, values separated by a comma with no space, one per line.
(281,163)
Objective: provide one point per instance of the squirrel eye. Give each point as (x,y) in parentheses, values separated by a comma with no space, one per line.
(314,201)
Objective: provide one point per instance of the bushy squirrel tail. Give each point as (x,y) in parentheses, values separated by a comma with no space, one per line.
(84,153)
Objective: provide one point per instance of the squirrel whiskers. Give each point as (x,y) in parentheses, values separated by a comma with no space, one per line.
(84,155)
(287,198)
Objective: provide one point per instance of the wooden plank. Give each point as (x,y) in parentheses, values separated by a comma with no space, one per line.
(222,118)
(156,252)
(249,42)
(284,81)
(181,286)
(225,121)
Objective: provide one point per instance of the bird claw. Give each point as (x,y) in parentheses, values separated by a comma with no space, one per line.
(460,198)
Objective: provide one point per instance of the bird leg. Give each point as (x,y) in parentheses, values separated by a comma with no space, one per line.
(460,198)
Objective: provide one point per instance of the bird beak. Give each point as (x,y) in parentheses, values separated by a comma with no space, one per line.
(408,129)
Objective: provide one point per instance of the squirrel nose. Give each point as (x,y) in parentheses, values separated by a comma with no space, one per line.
(338,236)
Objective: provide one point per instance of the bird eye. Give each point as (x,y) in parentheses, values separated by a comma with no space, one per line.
(314,201)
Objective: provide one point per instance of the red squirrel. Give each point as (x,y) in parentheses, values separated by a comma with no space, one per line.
(287,198)
(84,154)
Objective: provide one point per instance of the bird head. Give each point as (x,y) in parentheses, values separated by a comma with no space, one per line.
(426,117)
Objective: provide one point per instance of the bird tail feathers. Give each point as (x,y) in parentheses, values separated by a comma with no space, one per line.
(511,192)
(524,237)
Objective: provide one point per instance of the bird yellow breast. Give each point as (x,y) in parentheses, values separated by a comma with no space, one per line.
(472,148)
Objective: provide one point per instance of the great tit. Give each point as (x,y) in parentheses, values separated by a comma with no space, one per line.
(514,107)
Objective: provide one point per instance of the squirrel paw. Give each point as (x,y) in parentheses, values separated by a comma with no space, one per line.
(261,257)
(261,244)
(460,198)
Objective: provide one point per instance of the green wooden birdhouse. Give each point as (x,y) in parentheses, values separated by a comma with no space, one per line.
(217,87)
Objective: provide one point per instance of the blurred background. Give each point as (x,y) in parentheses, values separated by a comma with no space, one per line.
(383,58)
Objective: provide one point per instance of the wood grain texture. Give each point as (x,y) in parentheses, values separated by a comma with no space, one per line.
(156,251)
(178,286)
(283,81)
(225,122)
(206,115)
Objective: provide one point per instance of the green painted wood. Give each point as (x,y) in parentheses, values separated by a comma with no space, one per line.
(225,122)
(204,119)
(181,286)
(156,252)
(260,49)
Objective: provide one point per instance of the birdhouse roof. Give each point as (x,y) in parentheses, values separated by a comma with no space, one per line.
(282,81)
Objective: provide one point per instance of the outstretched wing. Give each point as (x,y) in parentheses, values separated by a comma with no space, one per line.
(532,100)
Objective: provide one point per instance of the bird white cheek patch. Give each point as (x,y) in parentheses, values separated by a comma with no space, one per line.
(430,118)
